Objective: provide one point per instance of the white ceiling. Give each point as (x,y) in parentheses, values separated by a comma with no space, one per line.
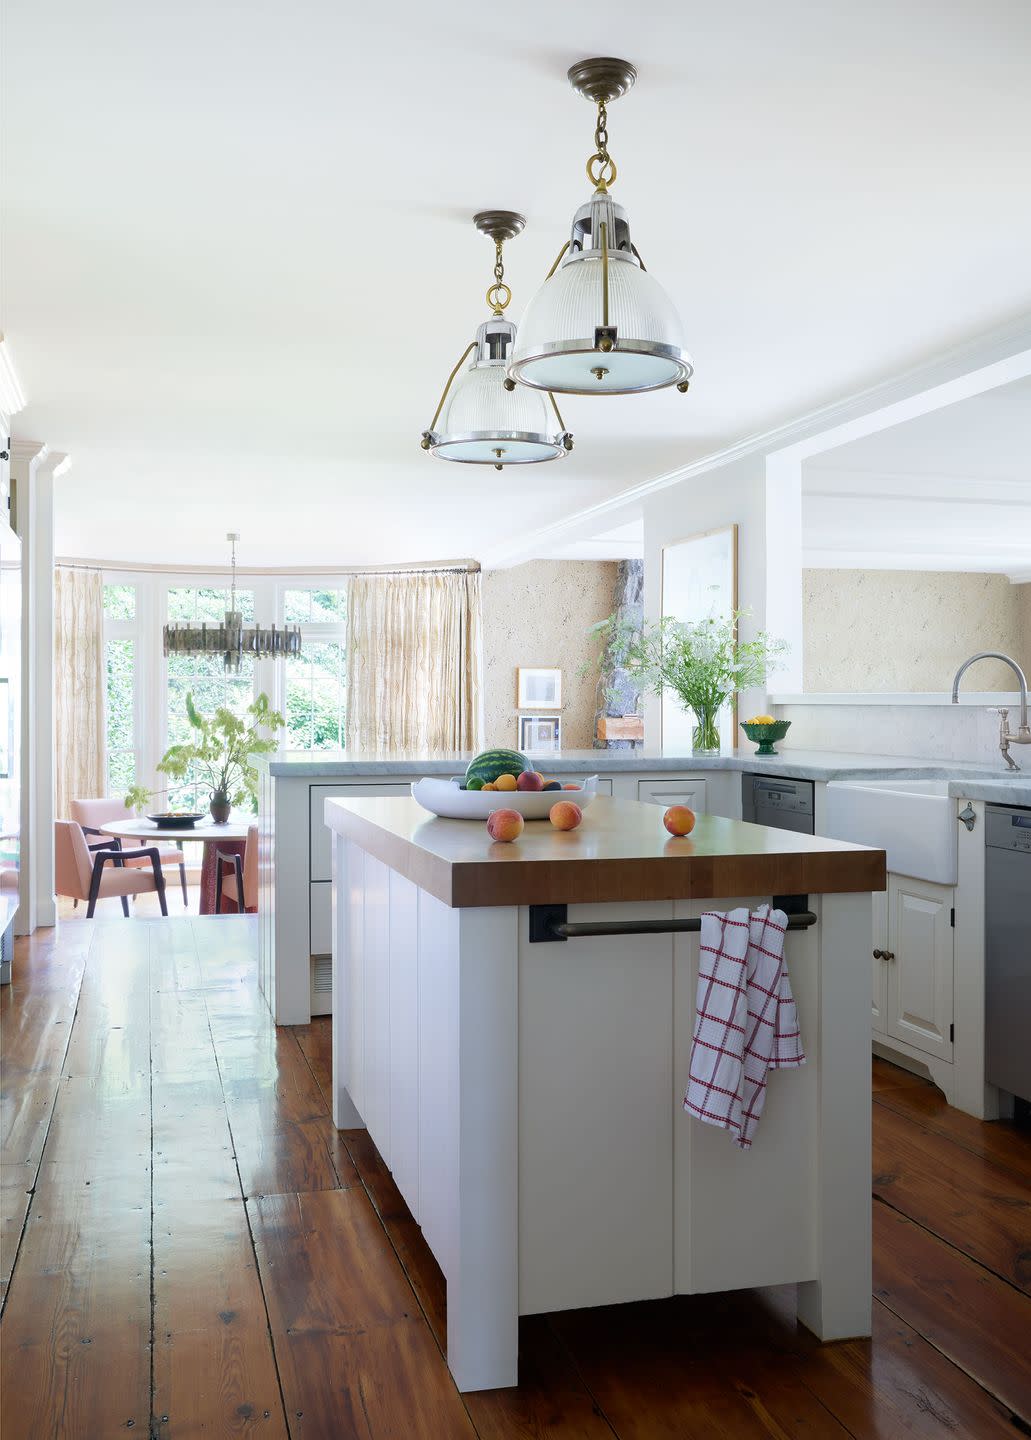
(238,260)
(948,491)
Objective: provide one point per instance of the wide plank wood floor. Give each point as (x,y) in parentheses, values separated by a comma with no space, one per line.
(191,1249)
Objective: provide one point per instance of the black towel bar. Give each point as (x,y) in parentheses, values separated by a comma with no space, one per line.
(549,923)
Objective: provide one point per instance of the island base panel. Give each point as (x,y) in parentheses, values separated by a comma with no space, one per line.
(527,1099)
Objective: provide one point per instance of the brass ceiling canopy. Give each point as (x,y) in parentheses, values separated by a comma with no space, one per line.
(500,225)
(602,79)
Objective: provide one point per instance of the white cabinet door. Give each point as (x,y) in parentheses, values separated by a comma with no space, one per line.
(880,965)
(920,998)
(689,792)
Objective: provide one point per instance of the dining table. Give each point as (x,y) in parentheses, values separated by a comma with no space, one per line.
(230,837)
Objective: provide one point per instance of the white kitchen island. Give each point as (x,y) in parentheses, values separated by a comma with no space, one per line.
(526,1093)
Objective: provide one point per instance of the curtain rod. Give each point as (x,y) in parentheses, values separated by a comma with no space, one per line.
(458,567)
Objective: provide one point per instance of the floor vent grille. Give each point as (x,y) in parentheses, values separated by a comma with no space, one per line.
(321,984)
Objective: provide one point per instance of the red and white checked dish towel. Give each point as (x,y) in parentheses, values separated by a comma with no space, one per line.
(746,1023)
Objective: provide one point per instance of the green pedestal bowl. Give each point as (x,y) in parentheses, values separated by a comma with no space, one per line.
(764,735)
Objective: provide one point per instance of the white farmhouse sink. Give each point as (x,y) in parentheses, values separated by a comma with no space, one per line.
(913,821)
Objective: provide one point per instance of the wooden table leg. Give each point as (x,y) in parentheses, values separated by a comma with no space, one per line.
(208,871)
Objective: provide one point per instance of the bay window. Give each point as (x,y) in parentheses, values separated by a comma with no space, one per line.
(146,691)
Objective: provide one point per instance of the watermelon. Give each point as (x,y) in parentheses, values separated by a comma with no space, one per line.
(489,764)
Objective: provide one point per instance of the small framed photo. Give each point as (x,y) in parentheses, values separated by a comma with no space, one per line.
(540,734)
(539,689)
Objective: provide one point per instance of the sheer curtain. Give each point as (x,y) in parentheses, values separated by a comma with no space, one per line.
(78,686)
(413,662)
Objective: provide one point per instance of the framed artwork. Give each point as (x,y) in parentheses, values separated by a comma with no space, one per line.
(699,578)
(540,734)
(538,689)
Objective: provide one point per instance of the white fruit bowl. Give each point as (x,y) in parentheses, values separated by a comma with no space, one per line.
(446,798)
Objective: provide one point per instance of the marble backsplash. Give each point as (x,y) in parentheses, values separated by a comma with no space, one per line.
(934,732)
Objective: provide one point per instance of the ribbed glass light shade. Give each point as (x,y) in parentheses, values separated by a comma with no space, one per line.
(481,418)
(555,344)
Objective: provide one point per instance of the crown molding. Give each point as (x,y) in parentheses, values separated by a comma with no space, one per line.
(1009,347)
(25,451)
(54,463)
(889,485)
(933,559)
(287,572)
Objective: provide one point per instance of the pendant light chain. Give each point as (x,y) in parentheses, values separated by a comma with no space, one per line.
(601,168)
(499,288)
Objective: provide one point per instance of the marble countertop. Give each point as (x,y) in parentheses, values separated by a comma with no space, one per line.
(1011,789)
(794,764)
(621,852)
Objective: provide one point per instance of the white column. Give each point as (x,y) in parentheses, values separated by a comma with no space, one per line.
(34,469)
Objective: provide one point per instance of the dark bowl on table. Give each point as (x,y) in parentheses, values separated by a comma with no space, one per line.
(171,821)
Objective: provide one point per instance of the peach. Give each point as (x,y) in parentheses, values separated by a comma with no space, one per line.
(530,780)
(565,815)
(570,786)
(504,825)
(506,782)
(679,820)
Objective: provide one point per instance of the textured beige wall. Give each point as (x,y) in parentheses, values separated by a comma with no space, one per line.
(904,630)
(536,614)
(1022,653)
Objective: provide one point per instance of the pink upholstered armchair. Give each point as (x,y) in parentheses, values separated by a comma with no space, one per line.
(91,813)
(102,872)
(241,882)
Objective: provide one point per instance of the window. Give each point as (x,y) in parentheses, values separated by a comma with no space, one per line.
(315,687)
(204,677)
(306,607)
(146,690)
(315,682)
(120,664)
(199,603)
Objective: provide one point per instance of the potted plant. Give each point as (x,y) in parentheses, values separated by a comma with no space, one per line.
(222,752)
(703,662)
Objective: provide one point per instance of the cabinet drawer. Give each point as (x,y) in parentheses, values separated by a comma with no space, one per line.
(320,918)
(320,854)
(673,792)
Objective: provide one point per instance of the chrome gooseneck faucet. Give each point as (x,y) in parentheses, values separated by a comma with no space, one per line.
(1006,738)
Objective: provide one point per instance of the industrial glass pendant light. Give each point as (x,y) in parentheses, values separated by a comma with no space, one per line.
(600,324)
(481,421)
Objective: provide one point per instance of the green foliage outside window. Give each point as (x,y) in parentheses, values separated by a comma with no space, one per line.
(121,754)
(316,697)
(120,602)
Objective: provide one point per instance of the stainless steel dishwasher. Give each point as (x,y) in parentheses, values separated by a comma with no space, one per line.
(1007,933)
(774,800)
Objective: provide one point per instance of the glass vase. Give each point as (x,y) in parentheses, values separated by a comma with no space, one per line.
(705,737)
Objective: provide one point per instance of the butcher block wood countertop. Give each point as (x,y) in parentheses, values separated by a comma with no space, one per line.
(621,852)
